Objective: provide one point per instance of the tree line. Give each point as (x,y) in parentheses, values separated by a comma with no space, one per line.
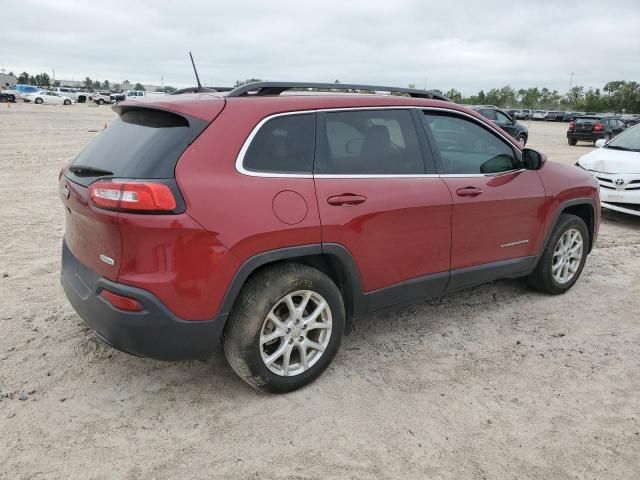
(44,80)
(616,96)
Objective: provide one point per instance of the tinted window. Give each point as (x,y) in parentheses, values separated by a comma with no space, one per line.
(467,148)
(283,145)
(369,142)
(502,118)
(490,114)
(586,120)
(141,143)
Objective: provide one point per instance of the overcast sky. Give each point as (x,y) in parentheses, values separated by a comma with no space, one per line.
(466,44)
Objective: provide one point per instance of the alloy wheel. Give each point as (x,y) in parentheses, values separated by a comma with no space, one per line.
(567,256)
(295,333)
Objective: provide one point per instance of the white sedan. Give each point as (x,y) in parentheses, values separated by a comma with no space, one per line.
(47,96)
(616,166)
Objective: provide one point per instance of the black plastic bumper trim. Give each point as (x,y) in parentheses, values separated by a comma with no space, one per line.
(154,332)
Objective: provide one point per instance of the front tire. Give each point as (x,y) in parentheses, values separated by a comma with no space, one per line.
(38,101)
(67,102)
(563,258)
(572,141)
(285,328)
(522,140)
(101,102)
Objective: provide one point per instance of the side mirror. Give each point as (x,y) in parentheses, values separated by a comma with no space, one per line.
(601,143)
(532,159)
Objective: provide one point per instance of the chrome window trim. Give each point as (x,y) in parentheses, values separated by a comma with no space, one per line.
(251,173)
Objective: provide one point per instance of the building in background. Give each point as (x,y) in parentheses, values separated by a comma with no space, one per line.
(7,82)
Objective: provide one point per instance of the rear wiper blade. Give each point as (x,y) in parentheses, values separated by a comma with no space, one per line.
(87,171)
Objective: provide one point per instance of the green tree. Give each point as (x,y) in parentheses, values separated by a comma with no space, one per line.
(88,83)
(23,78)
(106,85)
(138,86)
(42,79)
(454,95)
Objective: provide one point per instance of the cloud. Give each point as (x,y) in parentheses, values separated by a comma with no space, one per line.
(468,45)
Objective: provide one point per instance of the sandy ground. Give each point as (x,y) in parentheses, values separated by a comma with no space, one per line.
(490,383)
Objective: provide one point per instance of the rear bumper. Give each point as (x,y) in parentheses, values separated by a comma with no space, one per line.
(586,136)
(154,332)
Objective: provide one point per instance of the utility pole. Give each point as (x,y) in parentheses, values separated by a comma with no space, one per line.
(425,83)
(570,80)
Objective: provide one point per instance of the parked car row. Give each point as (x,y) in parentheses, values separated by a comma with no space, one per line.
(505,121)
(114,97)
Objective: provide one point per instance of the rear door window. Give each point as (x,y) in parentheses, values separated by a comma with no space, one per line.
(283,145)
(368,142)
(466,148)
(141,143)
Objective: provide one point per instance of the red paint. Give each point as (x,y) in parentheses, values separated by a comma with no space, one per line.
(90,231)
(401,231)
(503,209)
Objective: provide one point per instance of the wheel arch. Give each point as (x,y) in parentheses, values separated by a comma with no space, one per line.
(585,211)
(584,208)
(334,260)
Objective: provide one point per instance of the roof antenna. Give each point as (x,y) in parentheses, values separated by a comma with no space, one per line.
(200,89)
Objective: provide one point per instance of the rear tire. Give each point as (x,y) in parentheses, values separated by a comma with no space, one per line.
(101,102)
(272,333)
(67,102)
(38,101)
(572,141)
(563,257)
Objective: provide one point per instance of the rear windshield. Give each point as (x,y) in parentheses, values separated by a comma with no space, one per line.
(141,143)
(587,120)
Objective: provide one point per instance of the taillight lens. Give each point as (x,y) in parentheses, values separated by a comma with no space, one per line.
(571,126)
(598,127)
(132,195)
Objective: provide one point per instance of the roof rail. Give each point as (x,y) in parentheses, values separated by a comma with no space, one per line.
(202,90)
(276,88)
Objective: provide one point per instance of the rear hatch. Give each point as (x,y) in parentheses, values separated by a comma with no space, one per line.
(144,143)
(585,124)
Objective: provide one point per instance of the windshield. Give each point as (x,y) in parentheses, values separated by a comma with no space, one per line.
(627,140)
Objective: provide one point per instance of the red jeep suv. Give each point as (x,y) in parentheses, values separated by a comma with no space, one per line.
(269,216)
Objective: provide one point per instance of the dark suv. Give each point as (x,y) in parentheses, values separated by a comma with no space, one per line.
(590,128)
(269,220)
(517,130)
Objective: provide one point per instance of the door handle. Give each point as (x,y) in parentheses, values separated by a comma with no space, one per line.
(346,199)
(468,192)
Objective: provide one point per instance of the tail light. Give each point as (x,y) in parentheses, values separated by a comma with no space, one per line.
(598,127)
(139,196)
(571,126)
